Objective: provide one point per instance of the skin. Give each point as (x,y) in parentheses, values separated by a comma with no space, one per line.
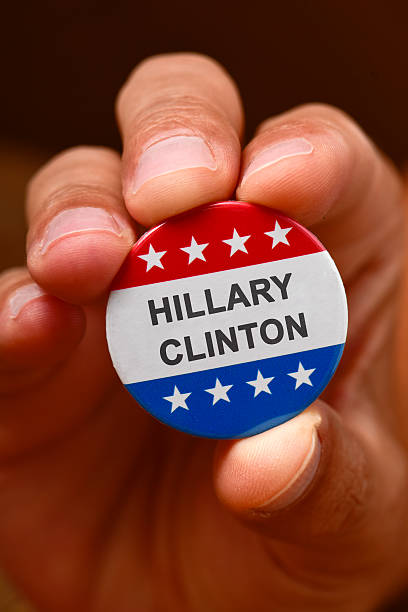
(102,508)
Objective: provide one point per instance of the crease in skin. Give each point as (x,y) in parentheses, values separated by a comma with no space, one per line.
(179,130)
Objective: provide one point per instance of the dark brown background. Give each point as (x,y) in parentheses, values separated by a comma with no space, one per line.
(63,62)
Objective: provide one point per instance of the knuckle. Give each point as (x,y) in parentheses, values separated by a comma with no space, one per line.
(65,197)
(178,112)
(186,80)
(79,174)
(174,105)
(73,196)
(69,159)
(310,118)
(326,113)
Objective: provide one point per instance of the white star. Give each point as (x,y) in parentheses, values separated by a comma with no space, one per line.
(237,242)
(219,392)
(260,384)
(177,400)
(195,251)
(302,376)
(152,258)
(279,235)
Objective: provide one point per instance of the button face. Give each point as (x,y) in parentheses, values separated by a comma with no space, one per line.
(227,320)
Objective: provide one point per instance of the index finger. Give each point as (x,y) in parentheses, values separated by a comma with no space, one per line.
(181,119)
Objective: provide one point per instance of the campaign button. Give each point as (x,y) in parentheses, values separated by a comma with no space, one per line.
(226,320)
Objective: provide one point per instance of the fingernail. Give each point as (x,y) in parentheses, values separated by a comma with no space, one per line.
(276,153)
(23,296)
(170,155)
(299,481)
(79,220)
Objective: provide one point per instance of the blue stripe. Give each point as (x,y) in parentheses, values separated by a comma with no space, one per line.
(244,415)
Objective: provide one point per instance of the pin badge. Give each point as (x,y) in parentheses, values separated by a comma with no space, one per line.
(227,320)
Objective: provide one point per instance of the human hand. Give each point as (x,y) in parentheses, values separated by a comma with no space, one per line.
(102,507)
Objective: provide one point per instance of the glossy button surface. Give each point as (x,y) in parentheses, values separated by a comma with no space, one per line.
(227,320)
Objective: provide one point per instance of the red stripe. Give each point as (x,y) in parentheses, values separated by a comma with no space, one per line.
(213,223)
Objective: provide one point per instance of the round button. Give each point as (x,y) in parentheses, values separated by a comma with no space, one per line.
(227,320)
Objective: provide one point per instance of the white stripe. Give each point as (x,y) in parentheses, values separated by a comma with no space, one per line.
(315,288)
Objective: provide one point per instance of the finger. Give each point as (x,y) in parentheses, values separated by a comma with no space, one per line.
(317,484)
(79,229)
(315,164)
(46,345)
(181,118)
(37,331)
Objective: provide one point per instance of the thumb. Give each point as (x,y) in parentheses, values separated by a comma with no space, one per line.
(316,483)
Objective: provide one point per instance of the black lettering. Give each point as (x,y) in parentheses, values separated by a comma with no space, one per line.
(163,352)
(189,309)
(165,309)
(222,339)
(279,331)
(237,296)
(263,290)
(210,345)
(189,350)
(300,327)
(177,307)
(247,328)
(283,285)
(210,305)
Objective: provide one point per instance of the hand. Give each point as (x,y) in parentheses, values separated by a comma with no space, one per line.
(104,509)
